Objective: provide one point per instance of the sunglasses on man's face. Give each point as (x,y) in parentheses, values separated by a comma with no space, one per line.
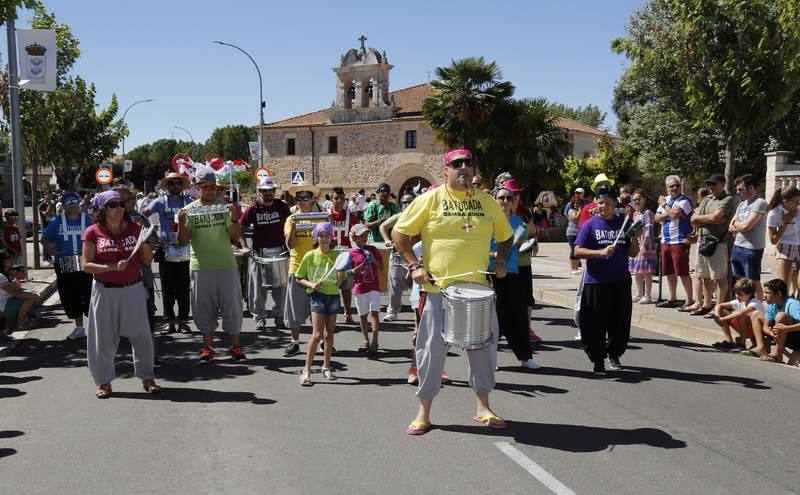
(674,186)
(460,163)
(115,204)
(383,191)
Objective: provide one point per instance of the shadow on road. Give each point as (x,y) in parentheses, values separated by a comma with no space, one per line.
(199,395)
(574,438)
(4,452)
(638,374)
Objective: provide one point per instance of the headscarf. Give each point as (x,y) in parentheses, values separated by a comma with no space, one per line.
(322,227)
(104,197)
(456,155)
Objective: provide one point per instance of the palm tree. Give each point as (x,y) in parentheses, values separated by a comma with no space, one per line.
(466,94)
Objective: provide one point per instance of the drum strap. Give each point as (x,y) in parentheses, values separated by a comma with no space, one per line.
(346,230)
(73,233)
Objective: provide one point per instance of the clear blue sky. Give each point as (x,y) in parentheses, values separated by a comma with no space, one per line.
(162,50)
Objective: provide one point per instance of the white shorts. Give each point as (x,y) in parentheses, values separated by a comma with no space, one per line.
(369,302)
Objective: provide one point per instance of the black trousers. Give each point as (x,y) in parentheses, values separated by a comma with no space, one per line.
(512,313)
(75,291)
(606,319)
(175,288)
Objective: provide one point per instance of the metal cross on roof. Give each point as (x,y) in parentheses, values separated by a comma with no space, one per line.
(362,39)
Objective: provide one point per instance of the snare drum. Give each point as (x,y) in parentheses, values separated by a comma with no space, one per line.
(69,264)
(273,263)
(386,257)
(469,312)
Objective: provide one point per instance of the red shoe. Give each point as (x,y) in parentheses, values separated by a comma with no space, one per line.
(445,378)
(206,356)
(413,378)
(237,354)
(532,337)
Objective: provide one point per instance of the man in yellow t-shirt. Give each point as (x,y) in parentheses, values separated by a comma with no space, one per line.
(457,223)
(296,309)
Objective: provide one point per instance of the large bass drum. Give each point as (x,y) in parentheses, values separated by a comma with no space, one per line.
(469,311)
(69,264)
(273,263)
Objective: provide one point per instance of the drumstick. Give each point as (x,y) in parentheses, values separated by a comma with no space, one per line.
(621,230)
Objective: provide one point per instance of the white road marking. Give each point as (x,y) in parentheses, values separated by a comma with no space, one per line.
(534,469)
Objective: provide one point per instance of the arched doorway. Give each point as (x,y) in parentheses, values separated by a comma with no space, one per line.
(413,185)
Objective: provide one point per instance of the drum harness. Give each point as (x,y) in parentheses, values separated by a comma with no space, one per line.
(74,233)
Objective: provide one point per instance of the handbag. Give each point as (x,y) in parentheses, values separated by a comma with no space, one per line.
(706,245)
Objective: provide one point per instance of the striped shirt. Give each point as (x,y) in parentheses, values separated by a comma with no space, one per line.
(676,231)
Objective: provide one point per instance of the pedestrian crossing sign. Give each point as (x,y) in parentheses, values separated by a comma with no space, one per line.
(298,176)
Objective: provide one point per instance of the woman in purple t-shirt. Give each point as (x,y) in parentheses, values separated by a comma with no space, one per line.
(606,298)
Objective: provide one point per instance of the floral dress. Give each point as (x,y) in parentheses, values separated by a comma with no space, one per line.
(645,260)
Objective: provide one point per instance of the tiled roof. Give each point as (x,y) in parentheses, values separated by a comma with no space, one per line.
(409,100)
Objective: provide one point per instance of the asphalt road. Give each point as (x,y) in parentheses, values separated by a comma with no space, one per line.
(681,418)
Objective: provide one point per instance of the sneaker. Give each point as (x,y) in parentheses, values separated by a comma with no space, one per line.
(445,378)
(77,333)
(327,373)
(390,317)
(599,369)
(168,328)
(183,327)
(237,354)
(413,377)
(577,335)
(292,349)
(206,356)
(724,345)
(614,364)
(645,300)
(261,323)
(636,298)
(305,379)
(532,337)
(530,364)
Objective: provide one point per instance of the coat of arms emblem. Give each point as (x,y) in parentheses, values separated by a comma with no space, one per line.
(36,62)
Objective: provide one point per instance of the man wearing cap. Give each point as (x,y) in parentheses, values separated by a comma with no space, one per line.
(674,213)
(457,224)
(590,209)
(711,221)
(379,211)
(296,309)
(63,239)
(172,257)
(267,216)
(209,225)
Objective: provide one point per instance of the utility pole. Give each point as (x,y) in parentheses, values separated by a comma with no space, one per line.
(17,167)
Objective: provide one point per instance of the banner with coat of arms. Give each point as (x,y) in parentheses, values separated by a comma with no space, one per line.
(37,59)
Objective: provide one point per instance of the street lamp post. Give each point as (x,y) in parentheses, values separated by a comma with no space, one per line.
(261,102)
(184,130)
(123,137)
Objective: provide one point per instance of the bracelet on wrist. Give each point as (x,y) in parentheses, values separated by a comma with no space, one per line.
(414,266)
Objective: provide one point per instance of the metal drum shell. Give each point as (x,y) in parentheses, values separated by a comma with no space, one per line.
(274,269)
(468,321)
(386,257)
(69,264)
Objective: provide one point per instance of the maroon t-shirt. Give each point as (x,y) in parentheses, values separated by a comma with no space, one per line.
(110,248)
(341,226)
(267,223)
(366,272)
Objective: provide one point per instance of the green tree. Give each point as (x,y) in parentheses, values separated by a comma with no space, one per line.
(737,62)
(9,8)
(466,95)
(230,142)
(590,114)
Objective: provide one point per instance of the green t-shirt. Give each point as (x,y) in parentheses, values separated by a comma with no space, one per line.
(376,210)
(210,241)
(316,265)
(710,204)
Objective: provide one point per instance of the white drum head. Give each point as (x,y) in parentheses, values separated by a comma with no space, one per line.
(468,290)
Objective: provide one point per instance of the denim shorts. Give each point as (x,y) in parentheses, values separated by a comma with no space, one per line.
(746,262)
(571,239)
(325,304)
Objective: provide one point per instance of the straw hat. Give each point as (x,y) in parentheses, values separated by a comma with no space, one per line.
(601,178)
(304,186)
(173,175)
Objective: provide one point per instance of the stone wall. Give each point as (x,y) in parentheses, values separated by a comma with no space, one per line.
(367,154)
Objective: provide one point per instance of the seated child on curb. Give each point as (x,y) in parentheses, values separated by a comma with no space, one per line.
(780,320)
(736,314)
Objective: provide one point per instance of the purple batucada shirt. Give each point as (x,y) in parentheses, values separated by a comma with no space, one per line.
(597,233)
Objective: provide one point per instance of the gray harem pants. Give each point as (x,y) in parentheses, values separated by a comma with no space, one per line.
(215,293)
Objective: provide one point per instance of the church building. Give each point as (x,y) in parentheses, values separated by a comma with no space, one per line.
(371,134)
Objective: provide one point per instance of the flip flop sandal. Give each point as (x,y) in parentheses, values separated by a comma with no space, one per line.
(771,359)
(417,428)
(700,312)
(491,421)
(710,316)
(364,347)
(104,392)
(666,304)
(150,387)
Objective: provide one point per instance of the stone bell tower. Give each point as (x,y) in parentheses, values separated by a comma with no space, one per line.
(362,87)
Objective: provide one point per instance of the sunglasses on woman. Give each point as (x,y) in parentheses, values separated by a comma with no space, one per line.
(506,198)
(115,204)
(303,197)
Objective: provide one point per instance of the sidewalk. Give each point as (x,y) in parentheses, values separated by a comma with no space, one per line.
(554,284)
(42,281)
